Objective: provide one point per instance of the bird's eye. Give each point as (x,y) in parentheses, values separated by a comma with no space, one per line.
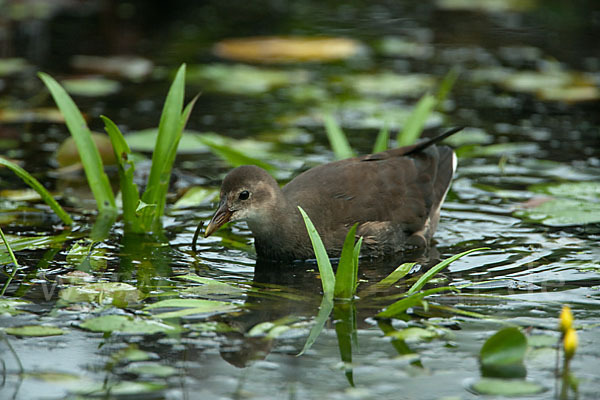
(244,195)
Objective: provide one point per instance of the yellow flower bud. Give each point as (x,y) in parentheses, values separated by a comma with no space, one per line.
(570,343)
(566,319)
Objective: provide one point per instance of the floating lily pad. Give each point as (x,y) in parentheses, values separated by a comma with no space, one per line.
(20,195)
(102,292)
(574,203)
(34,330)
(291,49)
(67,153)
(130,67)
(490,6)
(399,46)
(132,353)
(414,334)
(9,66)
(360,114)
(145,140)
(151,368)
(9,306)
(243,79)
(503,353)
(389,84)
(127,324)
(91,87)
(196,196)
(190,306)
(506,387)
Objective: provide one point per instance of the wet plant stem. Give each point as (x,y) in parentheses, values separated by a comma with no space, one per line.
(15,269)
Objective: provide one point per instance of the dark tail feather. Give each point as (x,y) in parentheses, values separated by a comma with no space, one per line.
(432,141)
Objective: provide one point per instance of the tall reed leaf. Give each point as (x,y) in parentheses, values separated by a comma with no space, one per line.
(347,270)
(90,157)
(337,139)
(14,260)
(170,128)
(325,269)
(41,190)
(382,140)
(416,120)
(129,191)
(322,317)
(412,300)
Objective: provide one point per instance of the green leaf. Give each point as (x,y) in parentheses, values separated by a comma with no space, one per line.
(416,121)
(90,157)
(196,196)
(505,347)
(337,138)
(383,140)
(427,276)
(172,122)
(39,188)
(322,317)
(345,328)
(346,274)
(446,85)
(506,387)
(127,324)
(323,262)
(129,190)
(91,86)
(34,330)
(395,276)
(151,369)
(102,292)
(414,333)
(233,157)
(190,307)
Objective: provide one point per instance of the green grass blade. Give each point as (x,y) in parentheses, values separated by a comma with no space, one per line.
(41,190)
(90,157)
(129,190)
(446,86)
(400,306)
(169,134)
(14,260)
(345,277)
(437,268)
(323,262)
(232,156)
(322,317)
(383,140)
(355,256)
(395,276)
(416,120)
(337,138)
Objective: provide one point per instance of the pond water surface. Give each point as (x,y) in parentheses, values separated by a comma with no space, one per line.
(527,91)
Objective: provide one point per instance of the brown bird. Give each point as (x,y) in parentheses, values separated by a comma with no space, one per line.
(395,196)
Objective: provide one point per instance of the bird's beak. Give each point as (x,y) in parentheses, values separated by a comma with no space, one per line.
(222,216)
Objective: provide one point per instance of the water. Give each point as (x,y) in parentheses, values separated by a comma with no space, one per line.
(525,277)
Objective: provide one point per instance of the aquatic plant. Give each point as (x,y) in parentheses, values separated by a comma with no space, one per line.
(141,214)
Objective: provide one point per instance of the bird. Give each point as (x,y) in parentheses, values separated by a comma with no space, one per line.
(394,196)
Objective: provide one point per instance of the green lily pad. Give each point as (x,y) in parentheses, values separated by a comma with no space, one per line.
(243,79)
(9,66)
(210,287)
(32,115)
(9,306)
(145,139)
(414,334)
(34,330)
(127,324)
(507,346)
(130,67)
(506,387)
(211,326)
(575,203)
(67,153)
(102,292)
(399,46)
(389,84)
(490,6)
(91,87)
(151,368)
(190,307)
(196,196)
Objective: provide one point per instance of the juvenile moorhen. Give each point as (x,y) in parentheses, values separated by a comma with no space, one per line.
(395,196)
